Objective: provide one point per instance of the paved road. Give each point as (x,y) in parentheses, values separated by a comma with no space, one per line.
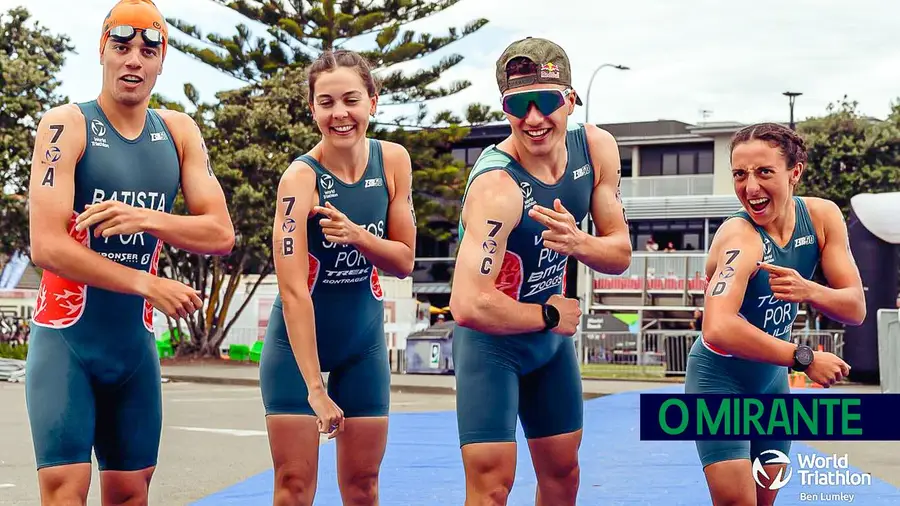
(213,437)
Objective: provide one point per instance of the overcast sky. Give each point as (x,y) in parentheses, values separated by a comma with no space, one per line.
(733,59)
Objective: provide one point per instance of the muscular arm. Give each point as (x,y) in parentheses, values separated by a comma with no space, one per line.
(208,229)
(61,136)
(843,300)
(492,209)
(609,251)
(736,250)
(290,248)
(395,253)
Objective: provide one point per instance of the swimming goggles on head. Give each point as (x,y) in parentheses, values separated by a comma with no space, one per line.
(124,33)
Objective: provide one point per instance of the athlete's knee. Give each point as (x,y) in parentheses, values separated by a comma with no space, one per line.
(361,488)
(125,488)
(733,497)
(295,484)
(63,496)
(563,473)
(490,474)
(558,480)
(64,485)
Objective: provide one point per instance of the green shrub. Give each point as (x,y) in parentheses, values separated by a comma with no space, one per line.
(18,352)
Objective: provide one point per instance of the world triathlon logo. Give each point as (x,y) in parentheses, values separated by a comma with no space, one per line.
(814,471)
(781,479)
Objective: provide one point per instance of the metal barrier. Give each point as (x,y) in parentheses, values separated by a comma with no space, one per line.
(889,350)
(663,353)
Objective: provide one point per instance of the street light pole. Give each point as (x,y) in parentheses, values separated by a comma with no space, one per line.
(587,101)
(792,96)
(585,277)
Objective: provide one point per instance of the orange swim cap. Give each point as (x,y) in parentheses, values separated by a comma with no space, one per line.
(140,14)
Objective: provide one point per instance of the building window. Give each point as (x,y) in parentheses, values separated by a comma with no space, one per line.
(472,155)
(626,168)
(676,160)
(669,164)
(705,162)
(459,154)
(686,162)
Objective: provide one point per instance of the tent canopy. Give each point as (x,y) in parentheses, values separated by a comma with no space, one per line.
(878,212)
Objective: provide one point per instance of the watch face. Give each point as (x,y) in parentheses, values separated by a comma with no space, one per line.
(804,355)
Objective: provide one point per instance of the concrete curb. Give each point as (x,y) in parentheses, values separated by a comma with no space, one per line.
(249,382)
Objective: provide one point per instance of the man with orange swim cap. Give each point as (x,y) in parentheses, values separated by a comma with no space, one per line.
(105,174)
(130,16)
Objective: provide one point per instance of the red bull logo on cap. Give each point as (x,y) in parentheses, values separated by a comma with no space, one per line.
(550,71)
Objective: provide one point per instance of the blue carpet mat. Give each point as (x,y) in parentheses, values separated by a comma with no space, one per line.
(422,466)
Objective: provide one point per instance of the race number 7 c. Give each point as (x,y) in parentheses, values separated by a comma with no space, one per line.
(490,246)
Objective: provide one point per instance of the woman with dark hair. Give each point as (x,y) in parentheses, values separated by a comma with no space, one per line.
(760,268)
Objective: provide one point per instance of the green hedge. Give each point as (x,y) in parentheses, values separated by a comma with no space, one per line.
(15,352)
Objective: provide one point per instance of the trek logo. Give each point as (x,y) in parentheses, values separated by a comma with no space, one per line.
(583,171)
(157,136)
(351,266)
(803,241)
(374,182)
(98,140)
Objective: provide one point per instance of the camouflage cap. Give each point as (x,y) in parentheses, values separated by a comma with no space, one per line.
(554,67)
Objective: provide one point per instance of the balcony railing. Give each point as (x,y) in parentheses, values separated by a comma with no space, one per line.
(664,272)
(667,186)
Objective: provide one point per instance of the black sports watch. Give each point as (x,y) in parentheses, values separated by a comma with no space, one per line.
(803,357)
(551,316)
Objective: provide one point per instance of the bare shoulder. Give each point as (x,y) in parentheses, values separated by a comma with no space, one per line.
(63,126)
(496,186)
(735,231)
(604,154)
(69,113)
(494,190)
(598,136)
(827,219)
(393,153)
(298,172)
(822,210)
(177,121)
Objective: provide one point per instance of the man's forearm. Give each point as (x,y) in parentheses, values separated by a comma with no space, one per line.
(204,235)
(846,305)
(497,313)
(605,254)
(73,261)
(393,257)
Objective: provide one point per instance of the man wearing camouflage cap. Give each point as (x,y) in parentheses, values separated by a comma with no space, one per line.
(518,228)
